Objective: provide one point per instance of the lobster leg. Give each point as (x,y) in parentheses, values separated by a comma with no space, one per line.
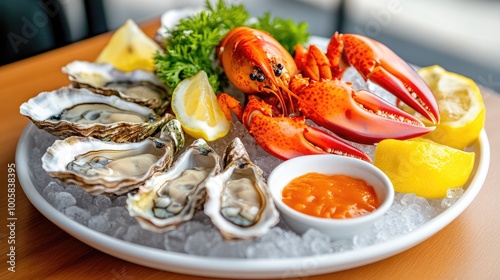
(317,65)
(229,104)
(300,57)
(289,137)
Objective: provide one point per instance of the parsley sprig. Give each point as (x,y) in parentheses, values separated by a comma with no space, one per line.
(285,31)
(190,46)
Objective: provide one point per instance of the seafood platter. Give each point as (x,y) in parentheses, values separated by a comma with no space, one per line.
(111,142)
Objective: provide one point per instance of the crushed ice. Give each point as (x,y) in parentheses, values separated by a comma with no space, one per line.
(108,215)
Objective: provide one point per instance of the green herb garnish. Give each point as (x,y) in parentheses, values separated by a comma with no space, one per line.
(191,45)
(285,31)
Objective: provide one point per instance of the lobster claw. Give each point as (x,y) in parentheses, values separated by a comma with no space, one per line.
(360,116)
(287,137)
(379,64)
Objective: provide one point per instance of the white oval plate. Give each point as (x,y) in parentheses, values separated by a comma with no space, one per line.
(247,268)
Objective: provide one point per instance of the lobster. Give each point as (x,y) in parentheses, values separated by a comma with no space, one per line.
(284,91)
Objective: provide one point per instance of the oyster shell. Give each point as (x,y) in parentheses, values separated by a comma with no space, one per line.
(169,198)
(79,112)
(238,200)
(139,86)
(107,167)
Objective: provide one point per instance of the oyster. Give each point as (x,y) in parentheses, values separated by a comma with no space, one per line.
(79,112)
(169,198)
(139,86)
(238,200)
(107,167)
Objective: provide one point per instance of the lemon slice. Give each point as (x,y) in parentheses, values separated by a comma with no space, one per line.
(130,49)
(423,167)
(195,106)
(461,107)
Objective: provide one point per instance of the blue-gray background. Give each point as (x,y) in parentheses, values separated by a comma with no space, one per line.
(461,35)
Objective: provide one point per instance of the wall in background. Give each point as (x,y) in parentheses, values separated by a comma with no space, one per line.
(321,19)
(461,35)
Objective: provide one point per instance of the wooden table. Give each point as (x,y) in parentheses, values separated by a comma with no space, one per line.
(468,248)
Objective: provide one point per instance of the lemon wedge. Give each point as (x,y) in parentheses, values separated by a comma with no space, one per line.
(195,106)
(130,49)
(461,107)
(423,167)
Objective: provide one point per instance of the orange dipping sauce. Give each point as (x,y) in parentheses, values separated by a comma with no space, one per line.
(330,196)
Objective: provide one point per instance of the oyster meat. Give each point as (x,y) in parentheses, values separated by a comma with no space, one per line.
(139,86)
(97,113)
(79,112)
(107,167)
(169,198)
(238,200)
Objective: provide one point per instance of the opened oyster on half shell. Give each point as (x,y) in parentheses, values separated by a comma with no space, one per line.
(101,167)
(170,198)
(238,200)
(138,86)
(79,112)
